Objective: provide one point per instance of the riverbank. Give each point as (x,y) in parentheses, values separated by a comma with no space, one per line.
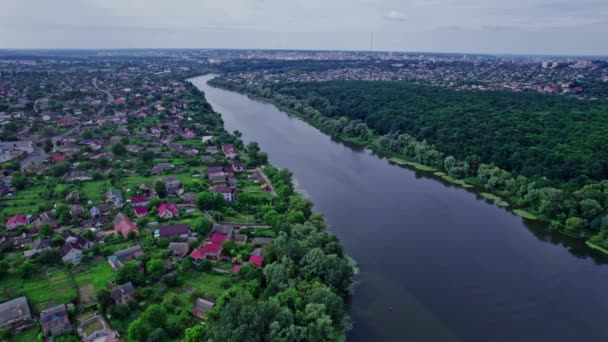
(371,143)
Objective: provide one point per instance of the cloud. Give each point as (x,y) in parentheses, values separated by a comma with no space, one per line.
(395,16)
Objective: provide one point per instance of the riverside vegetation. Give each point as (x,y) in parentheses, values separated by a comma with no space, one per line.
(542,155)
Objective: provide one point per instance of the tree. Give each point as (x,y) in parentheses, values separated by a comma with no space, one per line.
(119,149)
(48,146)
(46,230)
(104,299)
(130,272)
(139,330)
(202,226)
(19,180)
(155,268)
(195,334)
(157,335)
(161,189)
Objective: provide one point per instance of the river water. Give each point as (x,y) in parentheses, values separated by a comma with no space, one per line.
(437,263)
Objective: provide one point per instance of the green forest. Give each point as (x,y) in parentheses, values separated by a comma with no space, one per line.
(543,155)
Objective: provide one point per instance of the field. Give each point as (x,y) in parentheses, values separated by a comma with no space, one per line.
(29,335)
(98,275)
(42,290)
(24,202)
(208,284)
(93,190)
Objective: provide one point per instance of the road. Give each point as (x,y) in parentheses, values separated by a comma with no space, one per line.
(110,97)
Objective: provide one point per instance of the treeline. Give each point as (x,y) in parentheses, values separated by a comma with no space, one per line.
(544,154)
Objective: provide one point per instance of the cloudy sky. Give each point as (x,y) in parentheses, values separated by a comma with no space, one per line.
(486,26)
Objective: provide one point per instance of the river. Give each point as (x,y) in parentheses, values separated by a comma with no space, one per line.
(437,263)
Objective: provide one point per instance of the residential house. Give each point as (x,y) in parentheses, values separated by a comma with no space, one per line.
(125,226)
(225,229)
(16,221)
(240,238)
(139,201)
(211,150)
(209,251)
(38,246)
(141,211)
(161,168)
(134,148)
(77,176)
(230,151)
(201,306)
(73,247)
(118,259)
(45,218)
(181,230)
(15,314)
(229,193)
(261,241)
(218,238)
(256,260)
(76,210)
(72,197)
(95,212)
(173,185)
(114,196)
(55,321)
(238,167)
(209,160)
(179,249)
(189,198)
(123,294)
(168,210)
(95,145)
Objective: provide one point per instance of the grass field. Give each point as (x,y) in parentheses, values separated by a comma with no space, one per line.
(24,201)
(93,190)
(42,290)
(209,284)
(98,275)
(30,335)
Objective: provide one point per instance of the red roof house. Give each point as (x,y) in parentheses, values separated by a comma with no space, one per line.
(235,268)
(168,210)
(16,221)
(209,251)
(125,226)
(257,261)
(218,238)
(138,201)
(141,211)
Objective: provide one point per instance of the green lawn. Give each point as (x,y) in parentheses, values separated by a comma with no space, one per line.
(24,201)
(99,274)
(94,190)
(29,335)
(209,284)
(41,290)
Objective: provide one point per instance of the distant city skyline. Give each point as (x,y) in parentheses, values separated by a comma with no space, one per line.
(544,27)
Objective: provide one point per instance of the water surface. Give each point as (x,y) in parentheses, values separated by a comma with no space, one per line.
(437,263)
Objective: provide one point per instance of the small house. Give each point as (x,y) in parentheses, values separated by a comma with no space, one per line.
(201,306)
(55,321)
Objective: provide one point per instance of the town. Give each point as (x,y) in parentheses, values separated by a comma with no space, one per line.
(124,200)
